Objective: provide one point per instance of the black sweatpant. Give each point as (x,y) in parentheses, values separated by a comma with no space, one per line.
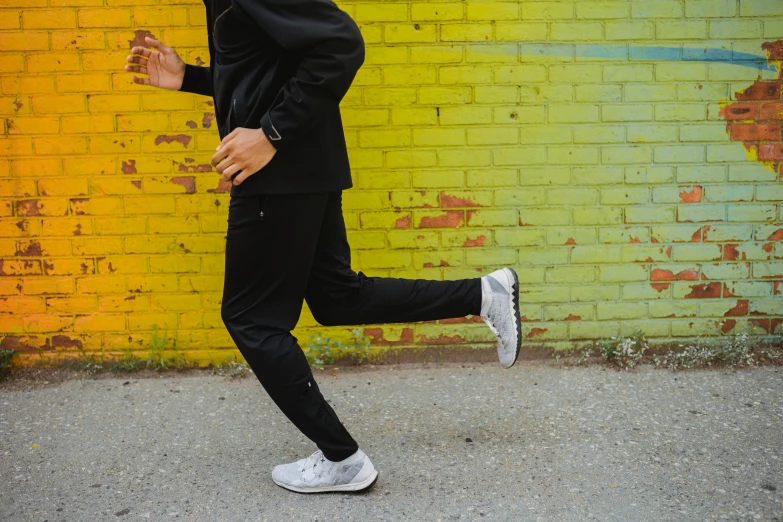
(284,249)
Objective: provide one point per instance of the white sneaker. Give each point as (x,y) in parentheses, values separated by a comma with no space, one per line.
(500,310)
(317,474)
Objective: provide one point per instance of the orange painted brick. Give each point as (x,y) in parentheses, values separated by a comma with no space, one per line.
(99,323)
(17,187)
(58,104)
(22,305)
(141,122)
(47,285)
(42,207)
(11,62)
(68,266)
(160,16)
(123,303)
(74,304)
(47,323)
(38,84)
(66,227)
(114,103)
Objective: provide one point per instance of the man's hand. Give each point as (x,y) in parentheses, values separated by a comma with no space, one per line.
(246,150)
(164,69)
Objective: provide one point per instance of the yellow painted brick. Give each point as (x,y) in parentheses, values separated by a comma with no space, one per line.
(437,11)
(58,104)
(88,165)
(377,55)
(122,264)
(114,143)
(493,136)
(10,19)
(519,156)
(66,226)
(409,33)
(438,178)
(414,116)
(385,138)
(100,284)
(176,302)
(465,115)
(24,41)
(36,167)
(18,187)
(464,158)
(174,225)
(47,323)
(114,103)
(519,74)
(444,95)
(119,17)
(386,96)
(48,19)
(411,74)
(377,12)
(37,84)
(410,158)
(123,303)
(52,62)
(496,94)
(436,54)
(520,31)
(371,33)
(68,266)
(33,125)
(99,323)
(47,285)
(433,137)
(166,101)
(149,321)
(465,32)
(71,40)
(74,304)
(104,60)
(153,204)
(120,226)
(100,246)
(467,74)
(519,114)
(87,124)
(160,16)
(493,11)
(60,145)
(492,53)
(12,62)
(364,117)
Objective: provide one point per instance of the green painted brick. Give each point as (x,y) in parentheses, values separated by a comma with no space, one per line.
(440,258)
(463,238)
(690,112)
(628,30)
(645,292)
(521,156)
(673,309)
(674,233)
(680,71)
(627,234)
(768,270)
(598,93)
(593,330)
(595,293)
(626,310)
(490,257)
(492,178)
(696,252)
(760,8)
(679,154)
(656,9)
(520,237)
(570,274)
(572,155)
(596,175)
(626,155)
(703,132)
(572,196)
(766,193)
(571,236)
(700,173)
(599,134)
(625,196)
(748,288)
(694,328)
(681,30)
(595,254)
(402,239)
(732,193)
(701,91)
(753,172)
(543,255)
(598,216)
(573,113)
(731,271)
(622,273)
(756,212)
(547,10)
(644,254)
(544,216)
(735,29)
(576,31)
(543,294)
(722,153)
(544,176)
(644,92)
(569,312)
(649,214)
(626,112)
(652,133)
(649,175)
(710,8)
(720,233)
(520,197)
(628,73)
(652,328)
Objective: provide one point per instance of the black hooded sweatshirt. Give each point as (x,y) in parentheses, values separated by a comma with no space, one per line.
(282,66)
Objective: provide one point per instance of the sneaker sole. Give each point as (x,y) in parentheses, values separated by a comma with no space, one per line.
(351,488)
(514,304)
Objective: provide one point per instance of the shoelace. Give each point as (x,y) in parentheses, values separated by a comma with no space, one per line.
(313,461)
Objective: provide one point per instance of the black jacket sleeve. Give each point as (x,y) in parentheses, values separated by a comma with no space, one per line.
(331,50)
(197,80)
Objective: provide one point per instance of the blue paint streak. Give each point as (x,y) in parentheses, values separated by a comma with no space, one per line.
(642,52)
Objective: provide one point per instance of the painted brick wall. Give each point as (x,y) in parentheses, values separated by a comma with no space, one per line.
(624,155)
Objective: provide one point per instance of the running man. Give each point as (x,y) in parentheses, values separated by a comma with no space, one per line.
(278,70)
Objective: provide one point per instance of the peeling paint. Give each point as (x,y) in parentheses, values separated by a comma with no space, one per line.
(741,308)
(536,331)
(448,201)
(182,139)
(129,167)
(189,182)
(479,241)
(206,120)
(704,291)
(138,38)
(403,222)
(694,196)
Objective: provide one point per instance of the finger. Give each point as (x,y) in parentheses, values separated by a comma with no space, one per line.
(143,51)
(241,177)
(142,81)
(218,156)
(157,44)
(230,136)
(136,58)
(225,164)
(230,172)
(136,68)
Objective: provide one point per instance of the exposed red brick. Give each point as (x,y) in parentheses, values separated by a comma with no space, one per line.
(136,183)
(669,252)
(771,111)
(77,230)
(451,218)
(536,331)
(461,320)
(771,151)
(660,287)
(776,235)
(740,309)
(760,90)
(376,334)
(632,239)
(184,139)
(33,248)
(222,187)
(704,291)
(728,325)
(138,38)
(767,247)
(447,201)
(730,252)
(659,274)
(204,167)
(774,50)
(28,208)
(740,111)
(654,239)
(18,105)
(403,222)
(189,182)
(570,241)
(442,338)
(206,120)
(63,341)
(129,167)
(694,196)
(572,317)
(776,289)
(755,132)
(764,324)
(191,124)
(17,343)
(479,241)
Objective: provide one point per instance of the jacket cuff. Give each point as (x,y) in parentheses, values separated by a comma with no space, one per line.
(271,132)
(191,80)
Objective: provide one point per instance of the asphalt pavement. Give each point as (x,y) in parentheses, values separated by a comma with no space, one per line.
(452,442)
